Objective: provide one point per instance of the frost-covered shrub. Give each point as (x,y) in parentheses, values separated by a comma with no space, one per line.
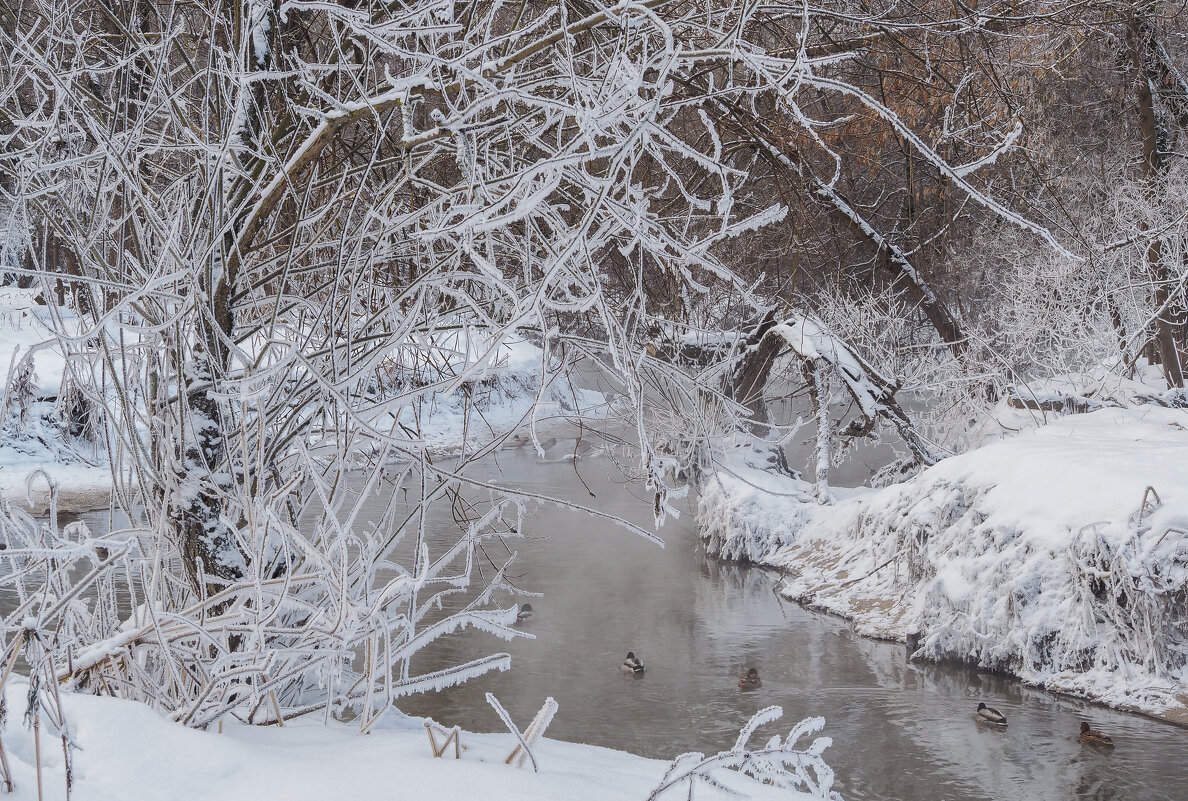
(323,619)
(80,416)
(1136,586)
(19,395)
(779,762)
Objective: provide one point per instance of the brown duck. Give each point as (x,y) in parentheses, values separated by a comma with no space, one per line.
(1096,738)
(750,681)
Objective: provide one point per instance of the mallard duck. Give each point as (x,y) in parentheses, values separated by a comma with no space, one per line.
(750,681)
(632,664)
(988,714)
(524,613)
(1091,737)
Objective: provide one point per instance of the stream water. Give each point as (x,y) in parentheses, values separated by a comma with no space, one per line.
(901,731)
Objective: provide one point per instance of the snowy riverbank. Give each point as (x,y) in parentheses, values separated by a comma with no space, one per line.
(1043,555)
(34,447)
(126,750)
(513,391)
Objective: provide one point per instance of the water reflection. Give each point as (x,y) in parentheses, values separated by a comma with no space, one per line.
(901,731)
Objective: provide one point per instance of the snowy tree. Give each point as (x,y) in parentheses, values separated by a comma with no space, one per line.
(288,227)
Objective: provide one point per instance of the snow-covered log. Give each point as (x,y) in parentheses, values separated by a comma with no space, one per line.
(815,345)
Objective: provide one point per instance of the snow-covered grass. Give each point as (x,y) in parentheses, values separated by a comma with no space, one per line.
(126,750)
(1043,555)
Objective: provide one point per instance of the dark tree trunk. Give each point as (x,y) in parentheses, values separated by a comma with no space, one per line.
(1139,37)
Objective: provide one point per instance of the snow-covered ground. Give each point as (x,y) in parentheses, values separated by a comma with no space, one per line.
(34,452)
(1043,555)
(127,751)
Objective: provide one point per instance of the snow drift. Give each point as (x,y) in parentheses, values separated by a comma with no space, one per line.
(124,750)
(1059,556)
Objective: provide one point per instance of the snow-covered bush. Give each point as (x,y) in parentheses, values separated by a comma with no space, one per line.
(779,762)
(323,619)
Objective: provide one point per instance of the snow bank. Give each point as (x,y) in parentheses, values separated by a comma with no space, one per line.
(1043,555)
(34,452)
(125,750)
(1037,402)
(29,462)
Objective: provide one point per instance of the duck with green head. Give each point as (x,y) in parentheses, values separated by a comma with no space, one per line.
(988,714)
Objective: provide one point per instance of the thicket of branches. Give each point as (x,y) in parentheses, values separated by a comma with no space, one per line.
(271,231)
(1069,115)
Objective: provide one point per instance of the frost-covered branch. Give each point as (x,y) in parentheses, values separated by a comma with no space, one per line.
(779,762)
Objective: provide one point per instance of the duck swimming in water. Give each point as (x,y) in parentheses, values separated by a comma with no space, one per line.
(1095,738)
(632,664)
(524,613)
(750,681)
(988,714)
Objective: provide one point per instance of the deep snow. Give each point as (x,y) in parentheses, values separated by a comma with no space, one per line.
(128,751)
(1035,555)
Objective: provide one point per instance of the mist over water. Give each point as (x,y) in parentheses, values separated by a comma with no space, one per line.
(901,731)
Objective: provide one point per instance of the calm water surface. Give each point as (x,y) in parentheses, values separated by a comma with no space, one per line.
(901,731)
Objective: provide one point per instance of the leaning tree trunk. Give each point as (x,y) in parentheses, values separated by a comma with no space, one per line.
(821,353)
(750,377)
(907,278)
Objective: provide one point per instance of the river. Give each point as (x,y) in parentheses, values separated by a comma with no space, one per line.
(901,730)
